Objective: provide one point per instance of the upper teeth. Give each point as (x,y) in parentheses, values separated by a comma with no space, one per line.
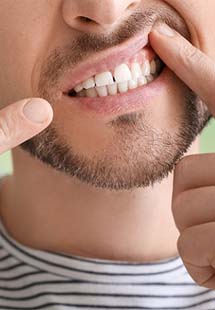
(103,79)
(137,75)
(122,73)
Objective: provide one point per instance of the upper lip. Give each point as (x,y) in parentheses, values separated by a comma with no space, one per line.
(103,61)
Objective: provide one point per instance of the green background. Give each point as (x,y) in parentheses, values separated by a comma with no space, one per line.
(207,145)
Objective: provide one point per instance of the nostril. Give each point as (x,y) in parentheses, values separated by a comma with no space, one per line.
(85,19)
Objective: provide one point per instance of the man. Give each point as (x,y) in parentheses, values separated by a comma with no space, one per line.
(101,211)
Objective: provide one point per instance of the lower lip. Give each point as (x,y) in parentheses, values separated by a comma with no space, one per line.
(123,103)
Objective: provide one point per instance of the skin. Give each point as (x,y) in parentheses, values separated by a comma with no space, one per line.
(99,222)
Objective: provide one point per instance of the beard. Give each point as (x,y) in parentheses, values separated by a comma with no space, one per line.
(139,155)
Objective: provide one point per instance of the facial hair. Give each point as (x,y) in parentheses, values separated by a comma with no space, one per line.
(130,163)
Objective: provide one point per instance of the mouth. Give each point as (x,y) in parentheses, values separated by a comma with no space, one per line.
(113,81)
(143,68)
(101,62)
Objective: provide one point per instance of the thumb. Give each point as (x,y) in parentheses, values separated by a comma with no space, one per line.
(22,120)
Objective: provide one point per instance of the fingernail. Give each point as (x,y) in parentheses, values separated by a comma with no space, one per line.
(37,110)
(165,30)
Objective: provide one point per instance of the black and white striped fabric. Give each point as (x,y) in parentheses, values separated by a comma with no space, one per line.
(33,279)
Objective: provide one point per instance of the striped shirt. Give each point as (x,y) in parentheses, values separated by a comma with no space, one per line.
(34,279)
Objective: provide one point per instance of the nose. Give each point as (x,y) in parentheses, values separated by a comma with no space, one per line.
(97,15)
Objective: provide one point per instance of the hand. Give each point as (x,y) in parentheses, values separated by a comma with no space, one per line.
(15,127)
(193,201)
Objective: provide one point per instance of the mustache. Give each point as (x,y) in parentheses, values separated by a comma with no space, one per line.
(137,23)
(61,59)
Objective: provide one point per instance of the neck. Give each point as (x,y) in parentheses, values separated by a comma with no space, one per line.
(47,210)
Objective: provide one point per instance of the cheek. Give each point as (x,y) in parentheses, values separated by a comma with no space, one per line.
(18,55)
(25,28)
(200,18)
(14,64)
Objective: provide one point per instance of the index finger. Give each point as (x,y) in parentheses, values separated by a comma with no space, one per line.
(191,65)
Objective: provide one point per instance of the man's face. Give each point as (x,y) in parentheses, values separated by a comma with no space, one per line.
(42,40)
